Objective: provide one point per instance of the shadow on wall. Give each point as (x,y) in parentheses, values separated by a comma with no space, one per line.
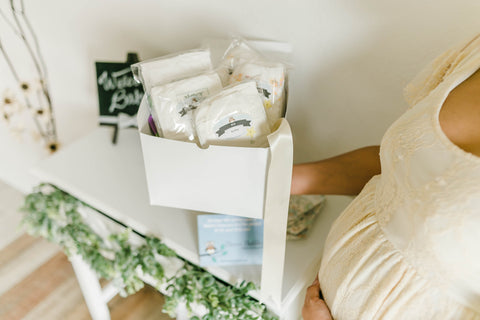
(354,92)
(138,37)
(360,87)
(118,39)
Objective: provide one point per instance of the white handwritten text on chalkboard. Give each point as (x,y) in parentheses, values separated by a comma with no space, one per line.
(118,82)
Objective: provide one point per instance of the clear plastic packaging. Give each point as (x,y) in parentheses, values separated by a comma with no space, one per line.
(233,117)
(241,62)
(237,53)
(270,80)
(172,104)
(172,67)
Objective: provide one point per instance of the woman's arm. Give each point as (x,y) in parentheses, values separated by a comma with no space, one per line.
(345,174)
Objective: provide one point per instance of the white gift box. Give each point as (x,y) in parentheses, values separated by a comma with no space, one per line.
(219,179)
(248,182)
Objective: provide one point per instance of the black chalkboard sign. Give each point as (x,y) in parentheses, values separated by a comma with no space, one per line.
(118,92)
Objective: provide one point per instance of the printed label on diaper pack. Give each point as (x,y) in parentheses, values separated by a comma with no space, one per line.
(234,126)
(265,89)
(269,90)
(190,101)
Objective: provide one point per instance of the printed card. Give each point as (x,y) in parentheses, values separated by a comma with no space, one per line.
(229,240)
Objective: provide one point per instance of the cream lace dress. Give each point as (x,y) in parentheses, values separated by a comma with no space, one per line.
(408,247)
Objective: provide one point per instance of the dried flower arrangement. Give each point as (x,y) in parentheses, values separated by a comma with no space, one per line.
(27,98)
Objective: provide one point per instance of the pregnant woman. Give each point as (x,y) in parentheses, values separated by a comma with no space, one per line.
(408,246)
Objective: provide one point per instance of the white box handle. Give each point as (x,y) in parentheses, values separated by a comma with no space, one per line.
(277,199)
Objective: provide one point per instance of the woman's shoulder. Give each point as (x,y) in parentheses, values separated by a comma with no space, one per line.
(460,115)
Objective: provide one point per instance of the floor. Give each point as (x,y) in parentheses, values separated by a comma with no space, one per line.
(38,282)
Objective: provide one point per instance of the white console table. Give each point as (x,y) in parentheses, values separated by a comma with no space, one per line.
(111,179)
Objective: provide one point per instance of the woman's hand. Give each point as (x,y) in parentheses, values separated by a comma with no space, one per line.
(315,308)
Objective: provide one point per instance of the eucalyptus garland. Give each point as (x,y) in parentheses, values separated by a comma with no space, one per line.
(53,214)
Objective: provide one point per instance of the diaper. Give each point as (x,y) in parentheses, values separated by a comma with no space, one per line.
(270,80)
(171,68)
(173,103)
(233,117)
(237,53)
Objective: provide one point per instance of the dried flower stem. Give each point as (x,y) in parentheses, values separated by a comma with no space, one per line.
(36,58)
(22,28)
(17,78)
(35,41)
(10,24)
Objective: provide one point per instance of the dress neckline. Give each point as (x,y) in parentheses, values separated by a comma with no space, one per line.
(450,86)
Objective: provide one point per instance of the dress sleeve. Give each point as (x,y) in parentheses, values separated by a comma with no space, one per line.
(437,70)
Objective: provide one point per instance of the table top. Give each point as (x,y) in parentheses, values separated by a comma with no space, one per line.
(111,178)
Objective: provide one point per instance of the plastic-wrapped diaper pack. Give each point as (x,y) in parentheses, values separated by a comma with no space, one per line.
(169,86)
(173,104)
(237,53)
(188,101)
(270,80)
(233,117)
(171,68)
(241,62)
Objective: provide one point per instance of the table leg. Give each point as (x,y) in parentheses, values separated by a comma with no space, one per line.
(91,289)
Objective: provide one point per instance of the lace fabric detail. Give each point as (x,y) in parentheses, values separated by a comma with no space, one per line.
(439,69)
(428,201)
(402,140)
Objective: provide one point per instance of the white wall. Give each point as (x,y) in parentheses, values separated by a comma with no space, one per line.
(352,58)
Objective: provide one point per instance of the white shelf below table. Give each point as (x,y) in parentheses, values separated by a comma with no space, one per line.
(111,178)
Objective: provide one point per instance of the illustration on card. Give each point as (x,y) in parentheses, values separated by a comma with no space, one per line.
(212,252)
(229,240)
